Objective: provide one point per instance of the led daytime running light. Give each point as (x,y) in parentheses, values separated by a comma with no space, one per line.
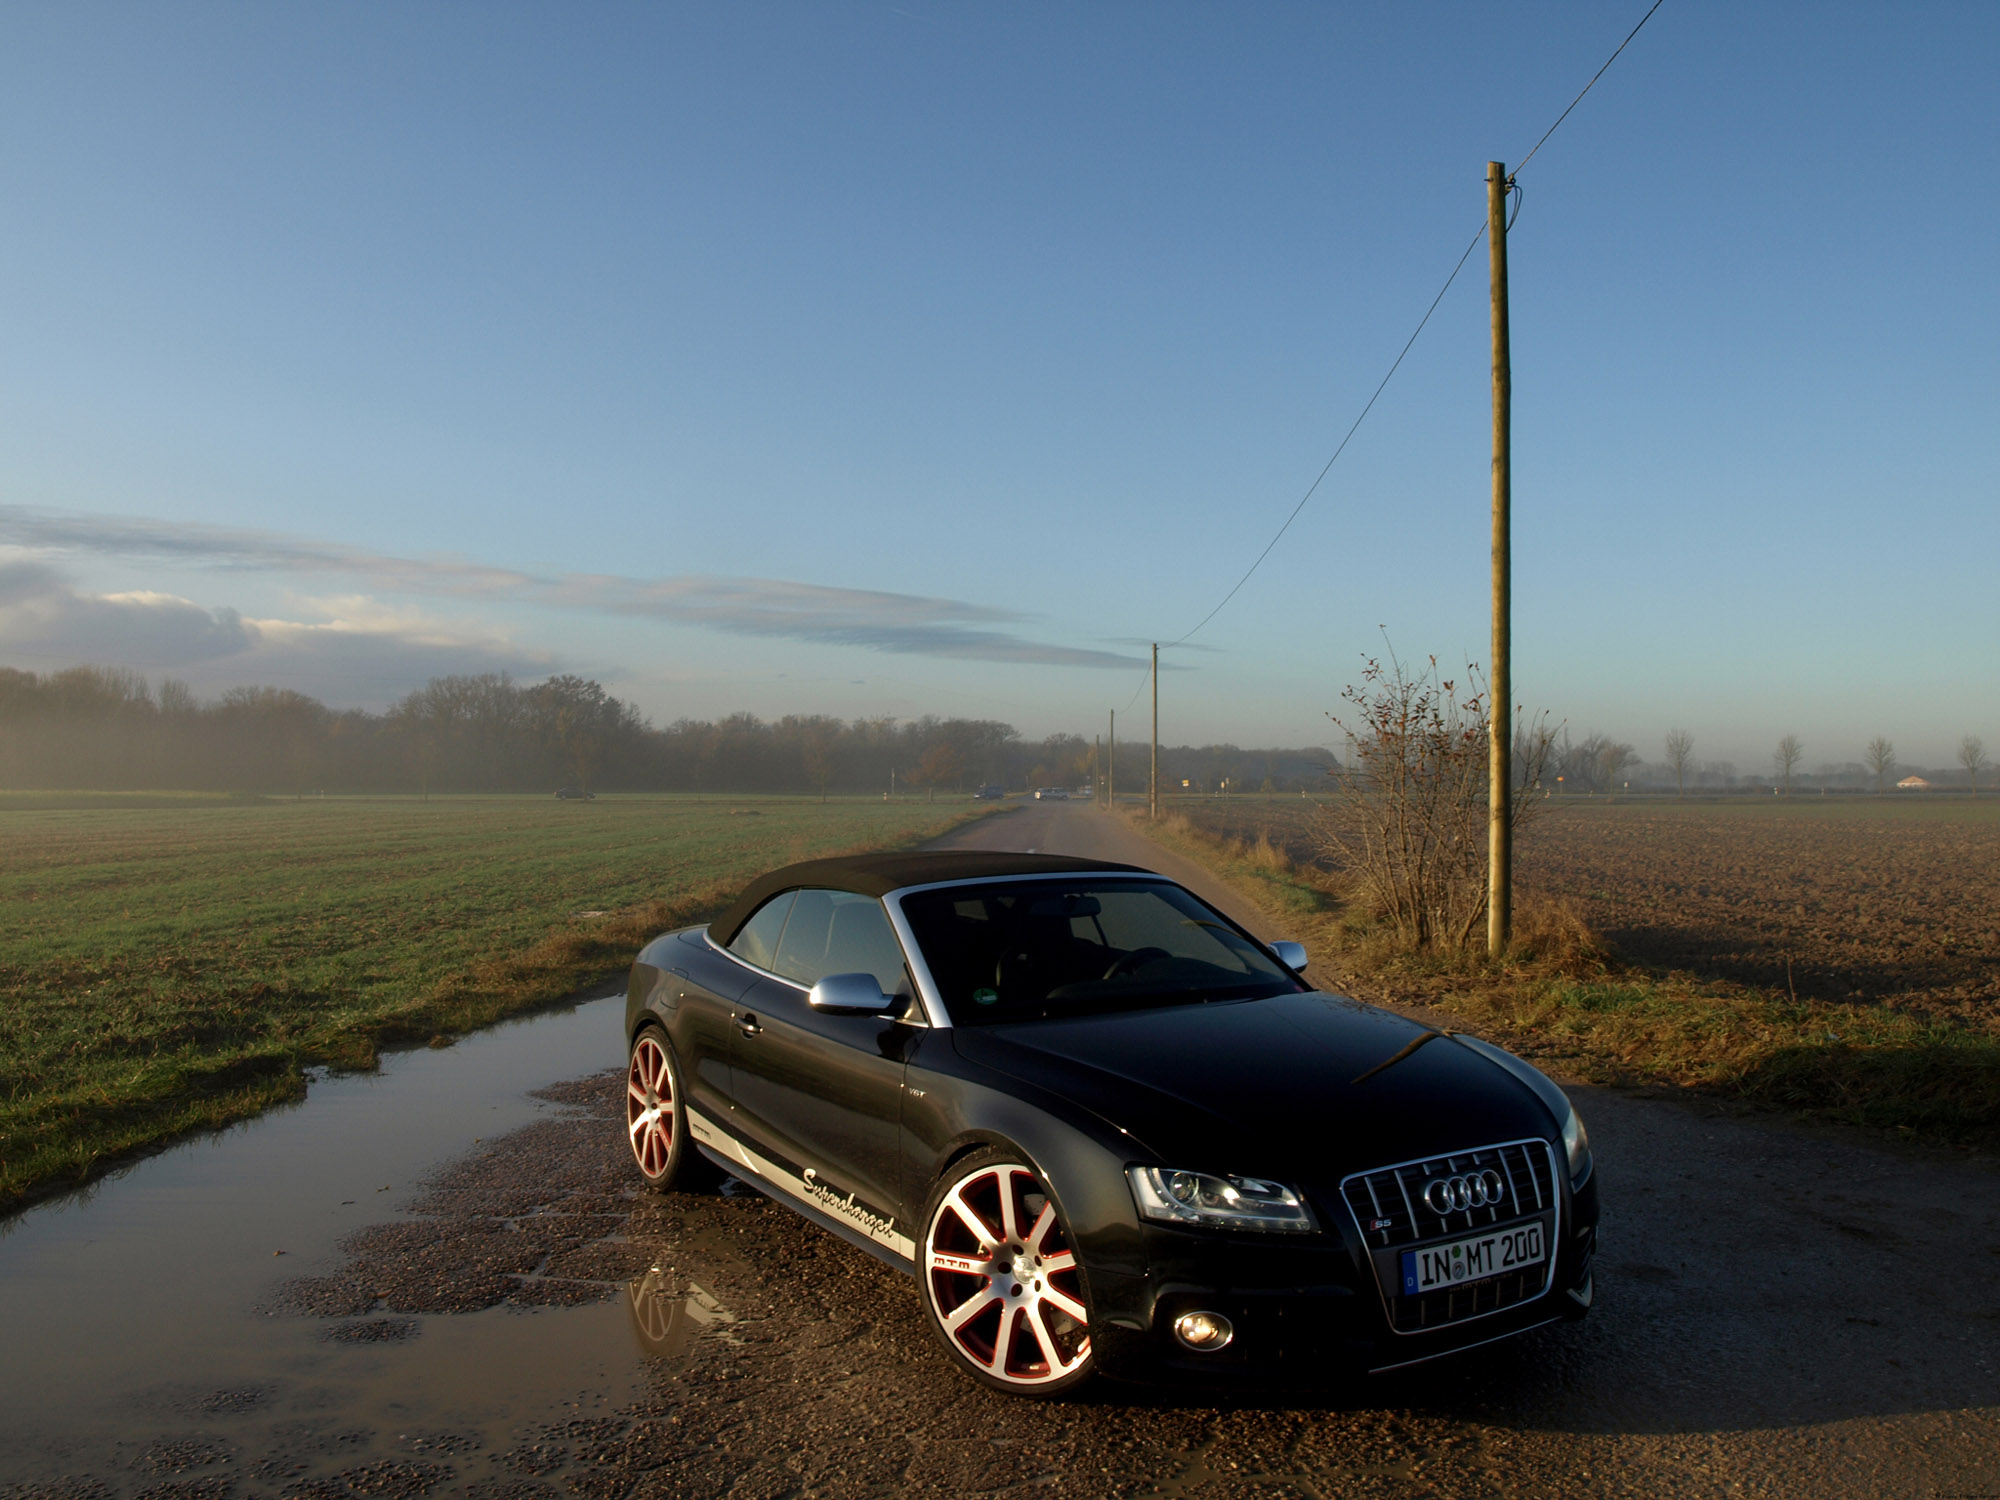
(1173,1196)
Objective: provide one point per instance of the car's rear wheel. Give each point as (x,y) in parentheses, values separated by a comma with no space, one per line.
(1001,1281)
(655,1123)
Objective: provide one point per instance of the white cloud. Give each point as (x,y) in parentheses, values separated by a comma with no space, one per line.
(43,615)
(360,652)
(820,614)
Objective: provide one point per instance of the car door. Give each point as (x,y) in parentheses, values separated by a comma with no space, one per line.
(699,987)
(704,985)
(818,1095)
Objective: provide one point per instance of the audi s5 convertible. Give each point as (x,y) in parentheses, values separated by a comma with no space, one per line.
(1105,1128)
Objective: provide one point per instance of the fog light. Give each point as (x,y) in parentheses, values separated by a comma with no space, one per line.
(1204,1332)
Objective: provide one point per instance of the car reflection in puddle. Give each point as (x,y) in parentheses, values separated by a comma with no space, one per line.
(670,1316)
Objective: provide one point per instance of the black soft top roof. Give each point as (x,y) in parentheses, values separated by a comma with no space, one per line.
(879,874)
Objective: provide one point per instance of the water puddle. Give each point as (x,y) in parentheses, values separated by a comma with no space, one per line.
(668,1322)
(145,1335)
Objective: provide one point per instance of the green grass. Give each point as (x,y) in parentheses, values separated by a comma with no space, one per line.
(172,963)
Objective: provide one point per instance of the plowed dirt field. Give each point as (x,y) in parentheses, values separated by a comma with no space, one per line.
(1893,901)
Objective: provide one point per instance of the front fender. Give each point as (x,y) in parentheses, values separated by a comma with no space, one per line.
(1080,1156)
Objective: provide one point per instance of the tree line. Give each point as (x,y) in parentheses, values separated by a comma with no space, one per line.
(106,728)
(1598,764)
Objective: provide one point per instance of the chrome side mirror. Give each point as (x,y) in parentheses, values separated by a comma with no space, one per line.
(851,995)
(1291,955)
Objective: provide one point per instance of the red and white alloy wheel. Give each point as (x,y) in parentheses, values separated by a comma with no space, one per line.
(1002,1282)
(650,1114)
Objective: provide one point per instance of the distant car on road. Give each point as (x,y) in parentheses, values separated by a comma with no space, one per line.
(574,794)
(1051,794)
(1104,1127)
(991,792)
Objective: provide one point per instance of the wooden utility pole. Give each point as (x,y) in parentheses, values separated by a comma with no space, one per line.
(1111,764)
(1153,776)
(1500,782)
(1096,762)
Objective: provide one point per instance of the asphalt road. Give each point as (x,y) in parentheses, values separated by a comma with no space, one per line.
(1779,1312)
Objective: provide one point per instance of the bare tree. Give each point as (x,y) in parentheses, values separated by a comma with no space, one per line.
(1680,751)
(1972,755)
(1881,758)
(1612,758)
(1578,764)
(1791,750)
(816,754)
(942,765)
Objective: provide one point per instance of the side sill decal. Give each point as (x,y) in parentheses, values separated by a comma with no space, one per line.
(806,1190)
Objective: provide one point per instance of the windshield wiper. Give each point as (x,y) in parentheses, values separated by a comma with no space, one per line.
(1416,1042)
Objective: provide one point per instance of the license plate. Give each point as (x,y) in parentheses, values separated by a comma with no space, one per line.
(1474,1259)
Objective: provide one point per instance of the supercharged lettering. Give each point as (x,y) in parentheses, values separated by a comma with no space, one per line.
(847,1208)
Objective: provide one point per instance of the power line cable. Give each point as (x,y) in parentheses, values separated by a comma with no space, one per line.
(1588,86)
(1327,467)
(1310,489)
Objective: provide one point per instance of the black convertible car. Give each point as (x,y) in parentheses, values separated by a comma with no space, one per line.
(1103,1126)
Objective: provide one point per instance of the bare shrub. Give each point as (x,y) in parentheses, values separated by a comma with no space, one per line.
(1408,821)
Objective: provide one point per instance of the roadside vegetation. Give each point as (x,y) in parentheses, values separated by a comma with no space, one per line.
(175,962)
(1564,997)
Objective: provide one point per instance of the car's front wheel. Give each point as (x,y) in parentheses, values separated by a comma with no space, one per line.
(655,1123)
(1000,1278)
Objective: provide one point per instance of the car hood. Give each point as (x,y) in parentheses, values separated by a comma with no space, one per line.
(1270,1088)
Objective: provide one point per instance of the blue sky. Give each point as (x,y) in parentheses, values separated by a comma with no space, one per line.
(904,358)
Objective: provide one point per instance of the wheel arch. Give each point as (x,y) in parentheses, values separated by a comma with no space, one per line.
(1085,1176)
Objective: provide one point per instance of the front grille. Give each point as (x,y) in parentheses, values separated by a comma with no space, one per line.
(1458,1303)
(1390,1210)
(1389,1204)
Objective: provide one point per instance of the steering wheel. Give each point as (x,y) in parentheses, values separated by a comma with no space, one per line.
(1131,963)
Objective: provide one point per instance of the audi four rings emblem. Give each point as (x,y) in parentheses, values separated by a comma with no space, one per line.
(1454,1195)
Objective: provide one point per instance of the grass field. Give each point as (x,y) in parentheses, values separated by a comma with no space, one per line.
(170,963)
(1871,904)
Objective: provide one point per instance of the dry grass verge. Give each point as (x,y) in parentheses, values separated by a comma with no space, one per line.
(1563,997)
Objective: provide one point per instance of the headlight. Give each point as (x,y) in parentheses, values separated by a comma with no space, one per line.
(1176,1197)
(1576,1143)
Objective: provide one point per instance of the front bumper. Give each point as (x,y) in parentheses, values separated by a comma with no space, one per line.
(1302,1312)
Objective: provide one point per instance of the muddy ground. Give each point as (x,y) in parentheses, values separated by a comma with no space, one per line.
(1767,1325)
(1838,899)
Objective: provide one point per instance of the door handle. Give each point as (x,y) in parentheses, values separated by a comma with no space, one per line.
(748,1025)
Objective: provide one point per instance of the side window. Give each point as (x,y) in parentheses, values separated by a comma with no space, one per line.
(756,941)
(836,932)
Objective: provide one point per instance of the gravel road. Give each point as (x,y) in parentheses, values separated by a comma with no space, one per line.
(1780,1312)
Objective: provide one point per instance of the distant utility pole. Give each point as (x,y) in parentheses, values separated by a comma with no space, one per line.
(1111,765)
(1500,774)
(1153,776)
(1096,761)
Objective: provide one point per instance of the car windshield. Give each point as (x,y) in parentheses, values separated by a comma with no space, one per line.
(1032,950)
